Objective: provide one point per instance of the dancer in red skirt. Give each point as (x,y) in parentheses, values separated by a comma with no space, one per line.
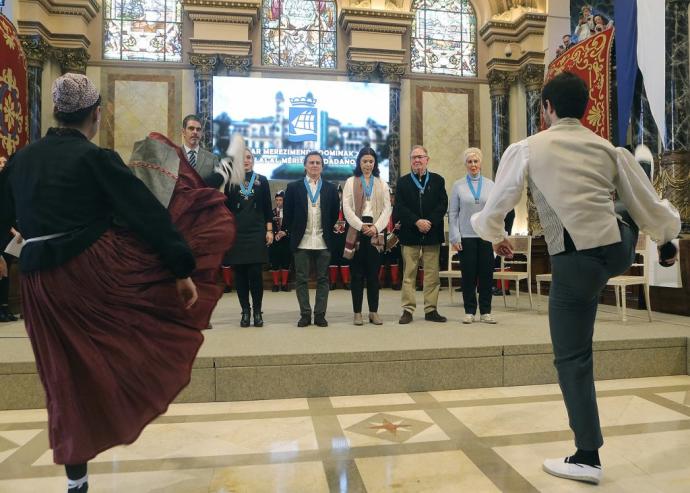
(113,313)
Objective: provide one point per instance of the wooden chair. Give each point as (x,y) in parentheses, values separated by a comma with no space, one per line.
(541,278)
(451,274)
(619,283)
(522,245)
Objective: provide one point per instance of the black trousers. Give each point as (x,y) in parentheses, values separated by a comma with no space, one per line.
(477,264)
(391,257)
(364,267)
(249,278)
(337,249)
(280,255)
(5,282)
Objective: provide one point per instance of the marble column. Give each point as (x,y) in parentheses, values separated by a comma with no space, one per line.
(532,77)
(37,51)
(392,73)
(499,87)
(673,179)
(204,68)
(72,59)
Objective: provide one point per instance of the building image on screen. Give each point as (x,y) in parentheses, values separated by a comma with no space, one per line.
(281,120)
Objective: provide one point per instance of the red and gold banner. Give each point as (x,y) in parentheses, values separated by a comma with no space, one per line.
(14,108)
(591,60)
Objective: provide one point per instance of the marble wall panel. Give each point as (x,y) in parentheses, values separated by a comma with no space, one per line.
(137,102)
(446,122)
(140,107)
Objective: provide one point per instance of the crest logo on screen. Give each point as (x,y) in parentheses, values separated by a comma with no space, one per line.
(303,119)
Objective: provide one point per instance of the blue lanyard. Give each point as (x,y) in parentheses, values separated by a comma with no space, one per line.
(418,183)
(313,196)
(475,193)
(246,192)
(367,189)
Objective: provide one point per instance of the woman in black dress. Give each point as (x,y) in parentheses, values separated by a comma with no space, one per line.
(250,201)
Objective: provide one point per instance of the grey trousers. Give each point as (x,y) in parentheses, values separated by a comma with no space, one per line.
(578,279)
(303,259)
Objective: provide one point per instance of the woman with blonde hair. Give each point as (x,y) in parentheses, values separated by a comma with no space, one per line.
(367,208)
(476,255)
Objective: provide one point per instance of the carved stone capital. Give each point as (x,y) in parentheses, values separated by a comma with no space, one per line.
(361,71)
(36,49)
(500,81)
(532,76)
(237,64)
(391,73)
(72,59)
(204,65)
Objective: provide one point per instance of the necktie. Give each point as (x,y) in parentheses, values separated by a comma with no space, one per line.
(192,158)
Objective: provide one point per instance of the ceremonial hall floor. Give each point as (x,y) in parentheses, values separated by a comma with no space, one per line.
(448,408)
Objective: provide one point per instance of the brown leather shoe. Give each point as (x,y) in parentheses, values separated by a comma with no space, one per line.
(405,318)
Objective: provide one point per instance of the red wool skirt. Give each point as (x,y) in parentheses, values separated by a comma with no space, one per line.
(113,345)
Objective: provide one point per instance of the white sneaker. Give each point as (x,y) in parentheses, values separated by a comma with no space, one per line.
(469,318)
(578,472)
(487,319)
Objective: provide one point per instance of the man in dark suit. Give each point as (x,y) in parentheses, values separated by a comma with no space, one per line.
(421,203)
(311,210)
(204,162)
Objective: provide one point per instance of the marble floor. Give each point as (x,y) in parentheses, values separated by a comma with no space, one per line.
(473,440)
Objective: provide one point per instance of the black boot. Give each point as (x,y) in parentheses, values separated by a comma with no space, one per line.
(258,318)
(275,288)
(84,488)
(244,321)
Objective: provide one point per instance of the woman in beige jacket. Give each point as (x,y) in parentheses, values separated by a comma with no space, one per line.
(367,208)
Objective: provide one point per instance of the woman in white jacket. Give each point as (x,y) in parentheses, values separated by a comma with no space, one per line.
(367,208)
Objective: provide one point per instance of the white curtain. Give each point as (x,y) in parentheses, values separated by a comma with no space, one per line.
(651,58)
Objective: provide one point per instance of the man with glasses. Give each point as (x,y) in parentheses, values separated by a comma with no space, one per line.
(421,203)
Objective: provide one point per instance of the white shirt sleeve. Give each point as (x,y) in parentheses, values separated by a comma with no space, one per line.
(654,216)
(505,194)
(453,211)
(382,221)
(349,205)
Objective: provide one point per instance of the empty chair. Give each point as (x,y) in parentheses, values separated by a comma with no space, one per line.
(451,273)
(619,283)
(522,245)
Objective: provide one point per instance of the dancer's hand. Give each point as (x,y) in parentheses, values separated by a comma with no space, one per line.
(269,238)
(3,267)
(186,290)
(504,249)
(457,247)
(279,235)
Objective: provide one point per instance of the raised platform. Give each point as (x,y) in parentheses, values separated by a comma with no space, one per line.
(283,361)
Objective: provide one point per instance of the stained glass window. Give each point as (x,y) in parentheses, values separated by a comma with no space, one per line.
(142,30)
(444,37)
(299,33)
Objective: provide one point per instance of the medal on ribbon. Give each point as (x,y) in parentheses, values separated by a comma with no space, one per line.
(247,188)
(314,197)
(475,193)
(418,183)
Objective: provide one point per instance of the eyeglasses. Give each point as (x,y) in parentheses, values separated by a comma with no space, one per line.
(422,156)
